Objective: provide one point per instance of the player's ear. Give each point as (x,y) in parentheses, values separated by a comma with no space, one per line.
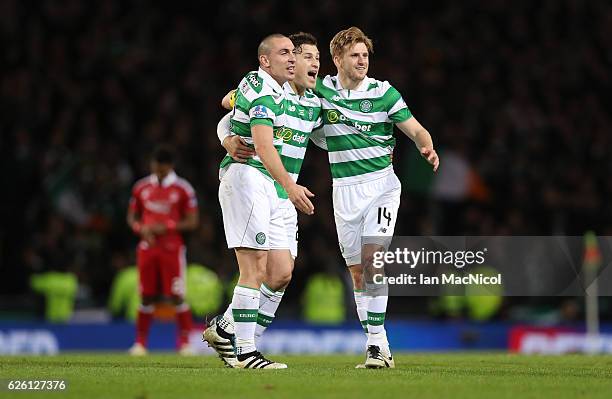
(336,61)
(264,61)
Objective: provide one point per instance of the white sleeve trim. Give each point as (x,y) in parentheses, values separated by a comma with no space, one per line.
(223,127)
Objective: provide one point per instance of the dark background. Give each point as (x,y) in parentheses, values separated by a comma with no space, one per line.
(517,96)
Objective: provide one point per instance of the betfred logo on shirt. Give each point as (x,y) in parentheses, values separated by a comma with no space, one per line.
(259,112)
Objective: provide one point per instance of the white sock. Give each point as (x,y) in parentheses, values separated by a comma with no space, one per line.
(361,302)
(377,308)
(268,304)
(245,305)
(380,340)
(228,317)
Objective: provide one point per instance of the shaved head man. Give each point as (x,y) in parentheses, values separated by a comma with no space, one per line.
(250,195)
(275,54)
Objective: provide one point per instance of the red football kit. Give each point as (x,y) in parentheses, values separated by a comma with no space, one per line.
(161,266)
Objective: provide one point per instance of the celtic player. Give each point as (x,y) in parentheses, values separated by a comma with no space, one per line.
(252,216)
(359,113)
(302,115)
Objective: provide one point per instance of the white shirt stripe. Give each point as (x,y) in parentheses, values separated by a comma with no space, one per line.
(358,154)
(299,124)
(293,151)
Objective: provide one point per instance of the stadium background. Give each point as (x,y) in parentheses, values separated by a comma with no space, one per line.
(514,94)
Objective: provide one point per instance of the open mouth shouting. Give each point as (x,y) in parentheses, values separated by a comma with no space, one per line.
(312,74)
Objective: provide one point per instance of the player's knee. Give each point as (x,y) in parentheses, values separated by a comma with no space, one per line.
(177,300)
(357,276)
(259,258)
(368,255)
(279,272)
(252,265)
(367,260)
(285,279)
(148,300)
(279,280)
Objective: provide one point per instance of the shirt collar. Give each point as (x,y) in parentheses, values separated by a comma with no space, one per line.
(168,180)
(291,92)
(363,86)
(289,89)
(269,80)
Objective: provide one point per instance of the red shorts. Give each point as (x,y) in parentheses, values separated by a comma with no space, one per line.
(162,271)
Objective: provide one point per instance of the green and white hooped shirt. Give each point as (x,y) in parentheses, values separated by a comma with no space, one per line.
(302,116)
(260,100)
(358,128)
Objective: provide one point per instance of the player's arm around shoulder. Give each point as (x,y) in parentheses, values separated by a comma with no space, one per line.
(235,146)
(229,100)
(422,139)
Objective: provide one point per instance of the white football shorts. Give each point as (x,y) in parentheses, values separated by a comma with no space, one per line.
(290,217)
(366,213)
(252,215)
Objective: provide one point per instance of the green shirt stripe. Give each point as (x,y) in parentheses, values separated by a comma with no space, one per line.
(360,167)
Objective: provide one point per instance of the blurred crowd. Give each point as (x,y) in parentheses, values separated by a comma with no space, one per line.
(517,96)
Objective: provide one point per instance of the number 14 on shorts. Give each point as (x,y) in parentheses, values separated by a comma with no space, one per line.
(384,214)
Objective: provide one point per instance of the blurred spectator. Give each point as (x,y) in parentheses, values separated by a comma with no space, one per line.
(59,290)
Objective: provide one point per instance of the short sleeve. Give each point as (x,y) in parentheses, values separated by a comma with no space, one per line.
(135,203)
(261,111)
(190,203)
(397,110)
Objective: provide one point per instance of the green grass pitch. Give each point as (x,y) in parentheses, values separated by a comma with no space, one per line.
(473,376)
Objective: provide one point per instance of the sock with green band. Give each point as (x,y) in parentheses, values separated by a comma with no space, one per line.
(377,308)
(268,304)
(245,305)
